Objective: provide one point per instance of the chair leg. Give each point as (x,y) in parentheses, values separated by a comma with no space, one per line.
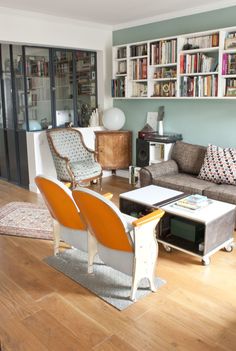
(146,251)
(56,234)
(135,281)
(92,251)
(100,183)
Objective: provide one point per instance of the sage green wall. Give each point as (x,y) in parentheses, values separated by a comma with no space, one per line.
(200,121)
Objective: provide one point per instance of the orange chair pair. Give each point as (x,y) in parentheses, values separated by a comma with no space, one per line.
(122,242)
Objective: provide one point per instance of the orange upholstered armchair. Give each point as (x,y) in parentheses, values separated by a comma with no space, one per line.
(68,224)
(125,243)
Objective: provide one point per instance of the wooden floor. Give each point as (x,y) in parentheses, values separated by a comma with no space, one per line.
(41,309)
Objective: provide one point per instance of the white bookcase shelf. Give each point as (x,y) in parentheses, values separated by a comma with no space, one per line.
(197,65)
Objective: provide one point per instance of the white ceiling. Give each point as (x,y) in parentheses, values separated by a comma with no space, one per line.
(116,13)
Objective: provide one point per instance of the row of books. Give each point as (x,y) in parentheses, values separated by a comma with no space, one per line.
(37,67)
(229,64)
(122,67)
(199,86)
(206,41)
(139,89)
(118,87)
(121,52)
(138,69)
(230,41)
(197,63)
(164,89)
(165,72)
(163,52)
(193,202)
(33,83)
(230,87)
(138,50)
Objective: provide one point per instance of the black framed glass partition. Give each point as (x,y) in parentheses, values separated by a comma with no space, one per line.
(86,73)
(63,86)
(38,84)
(18,73)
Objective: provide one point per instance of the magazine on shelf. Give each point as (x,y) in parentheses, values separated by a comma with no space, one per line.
(193,202)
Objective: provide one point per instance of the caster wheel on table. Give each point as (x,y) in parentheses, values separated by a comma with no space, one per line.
(229,248)
(206,261)
(167,248)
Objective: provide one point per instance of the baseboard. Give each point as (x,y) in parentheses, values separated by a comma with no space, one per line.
(122,173)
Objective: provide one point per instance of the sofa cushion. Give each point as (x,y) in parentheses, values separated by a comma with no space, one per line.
(183,182)
(224,192)
(219,165)
(189,157)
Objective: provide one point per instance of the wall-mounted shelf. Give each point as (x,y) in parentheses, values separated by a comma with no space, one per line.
(197,65)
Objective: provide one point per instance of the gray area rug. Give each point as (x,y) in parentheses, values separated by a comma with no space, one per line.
(109,284)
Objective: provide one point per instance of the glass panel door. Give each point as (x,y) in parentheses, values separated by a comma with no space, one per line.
(19,87)
(63,80)
(7,84)
(1,112)
(86,85)
(38,88)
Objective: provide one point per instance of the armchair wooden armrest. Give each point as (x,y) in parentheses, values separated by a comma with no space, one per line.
(148,218)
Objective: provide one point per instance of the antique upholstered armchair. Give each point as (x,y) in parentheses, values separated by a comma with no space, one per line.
(124,243)
(74,161)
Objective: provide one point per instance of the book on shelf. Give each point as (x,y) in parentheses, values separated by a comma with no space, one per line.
(199,86)
(228,64)
(139,89)
(118,87)
(121,52)
(163,52)
(197,63)
(165,72)
(139,69)
(138,50)
(193,202)
(202,42)
(164,89)
(230,41)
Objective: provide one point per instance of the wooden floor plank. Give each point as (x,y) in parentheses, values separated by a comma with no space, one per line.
(16,337)
(42,309)
(14,301)
(86,330)
(51,333)
(14,263)
(114,343)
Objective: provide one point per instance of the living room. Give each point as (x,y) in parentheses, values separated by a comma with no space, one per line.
(42,309)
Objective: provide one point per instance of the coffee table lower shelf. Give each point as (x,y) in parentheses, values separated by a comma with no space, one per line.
(227,245)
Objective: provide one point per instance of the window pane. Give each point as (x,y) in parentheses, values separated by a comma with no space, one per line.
(87,85)
(38,88)
(63,68)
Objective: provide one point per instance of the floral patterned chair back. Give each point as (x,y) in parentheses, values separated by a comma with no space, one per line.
(73,160)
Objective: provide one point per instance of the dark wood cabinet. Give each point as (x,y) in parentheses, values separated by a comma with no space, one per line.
(114,149)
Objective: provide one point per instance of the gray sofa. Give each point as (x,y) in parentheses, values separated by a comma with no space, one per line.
(180,173)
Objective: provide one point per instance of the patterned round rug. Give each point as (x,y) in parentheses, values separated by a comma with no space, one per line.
(26,219)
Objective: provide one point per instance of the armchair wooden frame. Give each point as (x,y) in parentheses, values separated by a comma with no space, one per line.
(66,161)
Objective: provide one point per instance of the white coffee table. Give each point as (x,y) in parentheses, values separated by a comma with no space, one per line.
(218,219)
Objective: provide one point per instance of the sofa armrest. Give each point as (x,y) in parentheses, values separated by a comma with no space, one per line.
(147,174)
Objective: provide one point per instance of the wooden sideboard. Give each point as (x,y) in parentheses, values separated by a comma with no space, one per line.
(114,149)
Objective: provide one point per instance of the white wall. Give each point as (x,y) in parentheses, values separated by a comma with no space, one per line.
(37,29)
(40,158)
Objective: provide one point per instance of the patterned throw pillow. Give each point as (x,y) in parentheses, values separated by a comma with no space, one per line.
(219,165)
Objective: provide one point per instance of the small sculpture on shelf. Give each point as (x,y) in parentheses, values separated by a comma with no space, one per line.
(94,118)
(161,113)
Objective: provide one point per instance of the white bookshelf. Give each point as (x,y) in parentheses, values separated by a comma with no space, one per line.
(163,68)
